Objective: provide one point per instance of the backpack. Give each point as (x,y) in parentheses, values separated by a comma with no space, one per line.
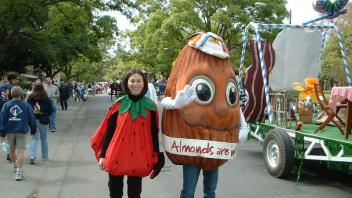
(43,117)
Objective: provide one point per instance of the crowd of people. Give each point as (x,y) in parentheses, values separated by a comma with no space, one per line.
(36,114)
(33,110)
(134,111)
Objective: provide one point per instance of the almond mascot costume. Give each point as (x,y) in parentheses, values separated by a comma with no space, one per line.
(202,117)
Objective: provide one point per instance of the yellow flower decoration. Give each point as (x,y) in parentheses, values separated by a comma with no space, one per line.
(308,90)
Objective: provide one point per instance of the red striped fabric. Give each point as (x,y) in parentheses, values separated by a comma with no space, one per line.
(254,111)
(339,94)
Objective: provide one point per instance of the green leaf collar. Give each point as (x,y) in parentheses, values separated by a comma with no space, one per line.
(136,107)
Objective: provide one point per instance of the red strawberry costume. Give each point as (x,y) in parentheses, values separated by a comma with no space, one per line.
(131,149)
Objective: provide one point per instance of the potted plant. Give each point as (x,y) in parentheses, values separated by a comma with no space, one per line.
(306,99)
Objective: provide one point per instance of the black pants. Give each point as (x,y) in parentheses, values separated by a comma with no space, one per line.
(134,186)
(63,102)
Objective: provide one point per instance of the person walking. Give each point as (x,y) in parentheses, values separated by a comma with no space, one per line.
(42,107)
(17,115)
(70,88)
(132,123)
(29,91)
(53,93)
(76,91)
(94,88)
(64,95)
(5,92)
(115,89)
(162,85)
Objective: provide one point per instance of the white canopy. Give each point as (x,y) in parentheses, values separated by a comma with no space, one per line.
(297,57)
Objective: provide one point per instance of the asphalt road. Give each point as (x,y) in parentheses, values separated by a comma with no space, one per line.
(72,171)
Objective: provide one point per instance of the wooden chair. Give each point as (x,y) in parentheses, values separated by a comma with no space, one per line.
(318,88)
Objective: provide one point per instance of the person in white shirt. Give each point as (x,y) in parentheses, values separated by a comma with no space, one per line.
(53,93)
(151,93)
(29,91)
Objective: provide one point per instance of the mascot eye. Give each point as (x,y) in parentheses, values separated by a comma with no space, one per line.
(204,89)
(231,93)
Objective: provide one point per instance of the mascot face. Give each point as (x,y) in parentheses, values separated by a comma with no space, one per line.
(215,114)
(215,107)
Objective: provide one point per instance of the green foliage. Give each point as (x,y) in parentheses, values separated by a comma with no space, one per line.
(66,36)
(119,66)
(123,6)
(19,20)
(163,26)
(83,69)
(51,35)
(332,58)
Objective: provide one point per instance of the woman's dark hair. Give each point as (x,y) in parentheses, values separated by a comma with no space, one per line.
(38,93)
(128,75)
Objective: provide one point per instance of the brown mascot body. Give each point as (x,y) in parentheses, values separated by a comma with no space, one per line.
(205,132)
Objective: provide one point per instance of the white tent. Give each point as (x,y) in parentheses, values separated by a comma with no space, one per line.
(297,57)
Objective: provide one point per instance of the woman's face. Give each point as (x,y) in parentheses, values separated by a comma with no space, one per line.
(135,84)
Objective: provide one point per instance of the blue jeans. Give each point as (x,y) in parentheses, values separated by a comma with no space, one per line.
(42,131)
(53,118)
(190,179)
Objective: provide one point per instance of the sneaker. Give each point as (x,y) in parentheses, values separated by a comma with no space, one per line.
(19,175)
(53,130)
(32,161)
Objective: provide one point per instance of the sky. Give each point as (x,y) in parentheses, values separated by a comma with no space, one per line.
(302,11)
(122,21)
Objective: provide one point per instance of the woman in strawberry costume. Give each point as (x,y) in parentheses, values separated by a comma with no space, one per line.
(126,142)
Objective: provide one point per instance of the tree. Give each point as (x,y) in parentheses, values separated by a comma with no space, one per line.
(126,7)
(332,58)
(83,69)
(163,26)
(19,20)
(74,32)
(51,34)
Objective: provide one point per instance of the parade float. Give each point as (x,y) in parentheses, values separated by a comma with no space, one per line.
(295,55)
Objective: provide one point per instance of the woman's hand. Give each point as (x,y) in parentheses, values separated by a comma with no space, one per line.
(101,163)
(158,166)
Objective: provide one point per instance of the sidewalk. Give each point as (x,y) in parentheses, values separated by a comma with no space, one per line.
(70,170)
